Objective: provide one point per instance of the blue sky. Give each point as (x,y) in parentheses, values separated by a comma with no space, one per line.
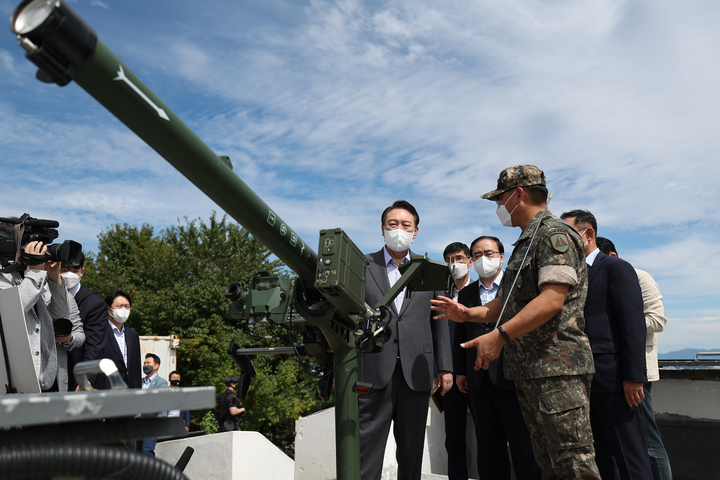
(332,110)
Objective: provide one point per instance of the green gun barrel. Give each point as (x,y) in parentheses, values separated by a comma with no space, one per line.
(65,48)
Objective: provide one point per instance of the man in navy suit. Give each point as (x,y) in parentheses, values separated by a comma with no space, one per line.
(93,314)
(615,325)
(402,374)
(456,402)
(497,414)
(121,344)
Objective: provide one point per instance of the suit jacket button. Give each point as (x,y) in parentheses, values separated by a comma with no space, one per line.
(395,341)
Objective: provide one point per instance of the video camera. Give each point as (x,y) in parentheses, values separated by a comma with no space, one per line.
(29,229)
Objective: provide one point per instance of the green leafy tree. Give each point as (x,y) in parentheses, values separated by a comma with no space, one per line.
(177,280)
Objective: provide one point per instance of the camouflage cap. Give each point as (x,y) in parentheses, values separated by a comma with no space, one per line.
(517,176)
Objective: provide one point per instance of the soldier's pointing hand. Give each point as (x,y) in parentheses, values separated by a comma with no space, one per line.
(449,309)
(488,348)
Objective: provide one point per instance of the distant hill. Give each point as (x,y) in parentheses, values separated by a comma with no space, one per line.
(685,354)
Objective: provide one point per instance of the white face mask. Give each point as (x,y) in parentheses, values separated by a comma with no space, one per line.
(502,213)
(120,315)
(459,270)
(70,279)
(398,240)
(486,267)
(583,233)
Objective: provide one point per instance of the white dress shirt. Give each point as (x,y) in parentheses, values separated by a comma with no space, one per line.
(488,294)
(393,274)
(120,339)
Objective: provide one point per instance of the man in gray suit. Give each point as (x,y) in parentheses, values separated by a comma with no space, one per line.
(402,374)
(152,380)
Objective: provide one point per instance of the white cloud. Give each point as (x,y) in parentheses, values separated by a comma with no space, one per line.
(684,265)
(7,62)
(332,110)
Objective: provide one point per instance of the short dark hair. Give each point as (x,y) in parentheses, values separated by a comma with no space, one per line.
(174,372)
(456,247)
(606,246)
(231,379)
(403,205)
(538,194)
(78,261)
(582,217)
(497,241)
(110,298)
(155,358)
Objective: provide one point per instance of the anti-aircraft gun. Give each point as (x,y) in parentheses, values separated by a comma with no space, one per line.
(325,301)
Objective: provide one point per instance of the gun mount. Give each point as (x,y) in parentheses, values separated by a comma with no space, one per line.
(325,300)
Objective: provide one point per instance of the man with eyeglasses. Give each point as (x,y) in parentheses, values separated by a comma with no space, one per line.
(547,354)
(497,414)
(455,402)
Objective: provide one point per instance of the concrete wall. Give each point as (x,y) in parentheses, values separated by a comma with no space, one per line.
(231,456)
(697,399)
(250,456)
(315,447)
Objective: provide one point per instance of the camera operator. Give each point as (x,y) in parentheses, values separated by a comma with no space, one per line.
(39,317)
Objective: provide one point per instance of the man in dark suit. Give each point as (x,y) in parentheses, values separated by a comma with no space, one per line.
(121,344)
(615,325)
(456,402)
(402,374)
(93,314)
(498,417)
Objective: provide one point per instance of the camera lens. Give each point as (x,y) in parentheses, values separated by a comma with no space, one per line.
(62,327)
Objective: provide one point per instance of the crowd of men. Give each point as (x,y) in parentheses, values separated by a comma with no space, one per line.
(51,291)
(552,357)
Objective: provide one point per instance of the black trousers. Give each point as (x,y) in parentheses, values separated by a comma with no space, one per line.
(397,403)
(620,446)
(455,407)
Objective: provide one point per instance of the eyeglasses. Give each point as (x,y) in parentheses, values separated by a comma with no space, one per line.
(459,259)
(497,199)
(486,253)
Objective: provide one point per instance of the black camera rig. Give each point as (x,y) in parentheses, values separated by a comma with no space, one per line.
(16,233)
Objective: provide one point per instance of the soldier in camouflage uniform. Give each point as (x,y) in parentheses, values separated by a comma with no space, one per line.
(547,353)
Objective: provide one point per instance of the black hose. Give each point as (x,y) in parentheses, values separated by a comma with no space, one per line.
(84,461)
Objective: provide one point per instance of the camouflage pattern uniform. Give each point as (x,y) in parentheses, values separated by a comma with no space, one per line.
(552,365)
